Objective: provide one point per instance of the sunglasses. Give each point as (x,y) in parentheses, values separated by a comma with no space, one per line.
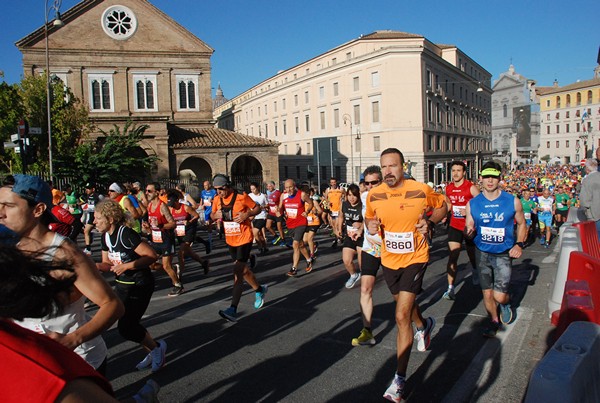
(111,191)
(373,183)
(221,188)
(149,191)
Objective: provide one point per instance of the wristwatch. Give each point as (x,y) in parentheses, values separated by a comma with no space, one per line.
(520,244)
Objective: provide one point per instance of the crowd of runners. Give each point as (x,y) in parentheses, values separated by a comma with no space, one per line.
(385,222)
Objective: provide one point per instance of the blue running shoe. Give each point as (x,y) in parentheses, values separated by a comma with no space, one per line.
(506,314)
(260,297)
(229,314)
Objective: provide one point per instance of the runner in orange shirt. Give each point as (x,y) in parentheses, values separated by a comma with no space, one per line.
(334,196)
(396,210)
(235,209)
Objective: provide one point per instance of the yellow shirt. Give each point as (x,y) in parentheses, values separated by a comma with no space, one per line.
(399,210)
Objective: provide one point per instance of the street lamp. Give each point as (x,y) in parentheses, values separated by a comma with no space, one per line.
(57,23)
(359,145)
(347,118)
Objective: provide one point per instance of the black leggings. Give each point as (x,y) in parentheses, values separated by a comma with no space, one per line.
(136,298)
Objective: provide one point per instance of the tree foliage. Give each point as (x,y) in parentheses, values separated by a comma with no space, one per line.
(114,156)
(11,111)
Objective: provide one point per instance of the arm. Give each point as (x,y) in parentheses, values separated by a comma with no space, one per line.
(192,202)
(469,223)
(129,207)
(306,199)
(474,190)
(105,264)
(192,212)
(167,214)
(243,216)
(516,250)
(92,285)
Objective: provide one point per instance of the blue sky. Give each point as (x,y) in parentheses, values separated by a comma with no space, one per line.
(253,39)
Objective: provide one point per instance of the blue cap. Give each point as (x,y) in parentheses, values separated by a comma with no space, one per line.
(33,188)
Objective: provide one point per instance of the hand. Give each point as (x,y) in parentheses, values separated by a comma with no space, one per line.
(238,219)
(67,340)
(469,233)
(218,215)
(515,252)
(118,269)
(373,227)
(422,225)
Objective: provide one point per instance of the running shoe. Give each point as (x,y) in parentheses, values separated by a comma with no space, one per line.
(177,290)
(352,280)
(229,314)
(276,240)
(158,355)
(145,363)
(542,241)
(334,243)
(292,273)
(395,390)
(506,314)
(547,245)
(148,393)
(491,329)
(205,266)
(449,295)
(309,266)
(315,251)
(364,339)
(423,337)
(260,296)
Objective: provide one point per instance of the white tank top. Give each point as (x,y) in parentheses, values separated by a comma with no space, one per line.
(371,243)
(72,317)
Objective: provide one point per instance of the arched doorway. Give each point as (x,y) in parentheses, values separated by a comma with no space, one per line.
(195,168)
(244,170)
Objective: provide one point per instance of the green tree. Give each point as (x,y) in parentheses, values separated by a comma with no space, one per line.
(70,120)
(11,111)
(114,156)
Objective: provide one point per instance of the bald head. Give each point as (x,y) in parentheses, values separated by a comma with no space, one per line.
(289,186)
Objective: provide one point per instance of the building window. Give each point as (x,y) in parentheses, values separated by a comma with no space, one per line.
(336,89)
(308,148)
(336,118)
(296,100)
(547,144)
(578,98)
(567,128)
(557,144)
(187,93)
(557,129)
(376,143)
(589,97)
(284,127)
(548,103)
(567,143)
(355,84)
(428,76)
(547,129)
(305,97)
(438,112)
(356,109)
(119,22)
(429,111)
(322,117)
(375,111)
(375,79)
(266,130)
(348,55)
(504,110)
(334,61)
(321,92)
(558,101)
(296,125)
(283,104)
(568,100)
(307,122)
(568,114)
(145,92)
(101,93)
(275,127)
(285,151)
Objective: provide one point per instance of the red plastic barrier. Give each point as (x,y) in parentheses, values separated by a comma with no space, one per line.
(590,243)
(577,305)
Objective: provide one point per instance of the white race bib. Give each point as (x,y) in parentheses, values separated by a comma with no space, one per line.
(527,216)
(180,230)
(232,228)
(399,242)
(309,219)
(459,211)
(114,257)
(291,212)
(492,235)
(157,236)
(351,230)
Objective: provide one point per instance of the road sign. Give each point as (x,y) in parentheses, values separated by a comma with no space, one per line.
(14,138)
(35,130)
(10,144)
(582,162)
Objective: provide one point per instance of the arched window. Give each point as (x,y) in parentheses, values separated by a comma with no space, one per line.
(505,110)
(589,97)
(558,101)
(187,88)
(578,98)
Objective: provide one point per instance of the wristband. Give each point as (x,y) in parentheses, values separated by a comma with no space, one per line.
(520,244)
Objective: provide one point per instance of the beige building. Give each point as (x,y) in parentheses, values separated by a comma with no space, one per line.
(335,113)
(570,121)
(128,60)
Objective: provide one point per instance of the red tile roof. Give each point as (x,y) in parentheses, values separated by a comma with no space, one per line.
(210,137)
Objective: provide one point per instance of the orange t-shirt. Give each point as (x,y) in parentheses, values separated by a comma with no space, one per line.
(398,210)
(236,234)
(334,197)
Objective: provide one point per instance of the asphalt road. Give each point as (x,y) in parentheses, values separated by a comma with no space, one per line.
(297,347)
